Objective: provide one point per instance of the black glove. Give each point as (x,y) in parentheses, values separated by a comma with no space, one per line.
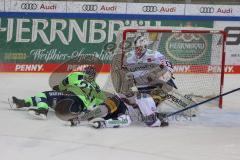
(56,88)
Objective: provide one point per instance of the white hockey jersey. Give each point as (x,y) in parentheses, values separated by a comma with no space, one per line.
(150,57)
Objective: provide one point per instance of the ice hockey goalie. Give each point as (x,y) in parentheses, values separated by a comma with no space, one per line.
(147,71)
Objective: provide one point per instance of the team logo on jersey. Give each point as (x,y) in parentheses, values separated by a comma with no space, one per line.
(186,46)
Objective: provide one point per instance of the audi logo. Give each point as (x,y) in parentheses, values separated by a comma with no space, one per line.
(149,9)
(29,6)
(206,10)
(87,7)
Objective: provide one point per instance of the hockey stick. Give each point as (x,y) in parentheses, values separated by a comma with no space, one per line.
(200,103)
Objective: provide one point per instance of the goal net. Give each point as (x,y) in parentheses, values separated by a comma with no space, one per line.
(197,55)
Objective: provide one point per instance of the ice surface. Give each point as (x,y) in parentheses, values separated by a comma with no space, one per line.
(213,135)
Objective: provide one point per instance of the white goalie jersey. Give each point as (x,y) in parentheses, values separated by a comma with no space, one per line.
(143,67)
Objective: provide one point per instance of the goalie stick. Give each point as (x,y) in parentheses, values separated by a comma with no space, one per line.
(200,103)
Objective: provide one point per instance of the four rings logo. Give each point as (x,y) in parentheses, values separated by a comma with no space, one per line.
(29,6)
(88,7)
(206,10)
(149,9)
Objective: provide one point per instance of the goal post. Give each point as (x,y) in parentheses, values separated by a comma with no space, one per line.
(197,54)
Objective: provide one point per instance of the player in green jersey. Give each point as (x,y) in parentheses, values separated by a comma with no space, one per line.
(79,87)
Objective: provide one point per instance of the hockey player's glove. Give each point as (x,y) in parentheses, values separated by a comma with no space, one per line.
(56,88)
(97,123)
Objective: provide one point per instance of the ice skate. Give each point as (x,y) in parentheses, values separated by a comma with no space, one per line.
(39,113)
(161,117)
(19,103)
(164,123)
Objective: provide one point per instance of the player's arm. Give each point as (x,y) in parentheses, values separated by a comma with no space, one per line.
(158,73)
(167,65)
(101,115)
(98,95)
(168,75)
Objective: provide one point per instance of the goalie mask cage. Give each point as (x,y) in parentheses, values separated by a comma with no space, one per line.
(197,54)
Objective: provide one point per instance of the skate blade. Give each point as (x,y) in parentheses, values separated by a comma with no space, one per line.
(40,116)
(11,104)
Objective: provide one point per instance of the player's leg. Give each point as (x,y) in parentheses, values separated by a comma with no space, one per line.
(38,100)
(21,103)
(148,109)
(43,101)
(110,114)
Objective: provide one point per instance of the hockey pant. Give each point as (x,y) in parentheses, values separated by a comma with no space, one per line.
(47,99)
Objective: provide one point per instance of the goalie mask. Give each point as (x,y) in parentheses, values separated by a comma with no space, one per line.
(141,43)
(90,72)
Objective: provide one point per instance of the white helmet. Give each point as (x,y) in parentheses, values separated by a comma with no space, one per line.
(141,43)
